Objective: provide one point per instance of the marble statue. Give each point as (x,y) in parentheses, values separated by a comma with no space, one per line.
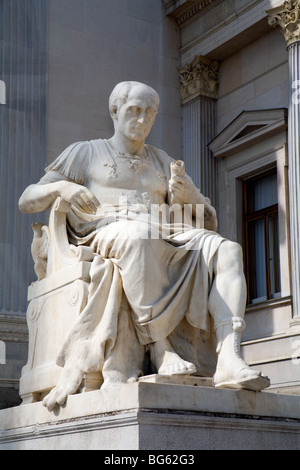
(160,289)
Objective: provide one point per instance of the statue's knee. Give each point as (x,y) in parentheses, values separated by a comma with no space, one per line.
(134,232)
(137,242)
(230,256)
(235,250)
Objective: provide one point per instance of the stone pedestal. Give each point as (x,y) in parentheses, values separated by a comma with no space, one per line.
(153,415)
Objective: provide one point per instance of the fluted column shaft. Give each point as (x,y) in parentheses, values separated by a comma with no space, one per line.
(287,18)
(294,170)
(198,130)
(23,69)
(199,83)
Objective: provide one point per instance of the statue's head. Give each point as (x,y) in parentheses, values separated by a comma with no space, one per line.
(133,107)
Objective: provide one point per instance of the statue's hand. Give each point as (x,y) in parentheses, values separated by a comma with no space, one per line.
(79,196)
(183,190)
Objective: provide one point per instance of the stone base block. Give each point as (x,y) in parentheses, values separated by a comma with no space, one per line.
(151,415)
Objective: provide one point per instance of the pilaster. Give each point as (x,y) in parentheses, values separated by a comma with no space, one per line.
(23,59)
(23,47)
(287,17)
(198,90)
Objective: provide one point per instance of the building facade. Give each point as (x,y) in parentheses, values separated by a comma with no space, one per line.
(239,96)
(228,82)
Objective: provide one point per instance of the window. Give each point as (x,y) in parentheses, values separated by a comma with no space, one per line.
(261,240)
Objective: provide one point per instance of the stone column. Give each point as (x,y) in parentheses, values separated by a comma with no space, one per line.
(23,69)
(199,85)
(287,17)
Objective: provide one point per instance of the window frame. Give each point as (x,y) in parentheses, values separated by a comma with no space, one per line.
(250,215)
(239,158)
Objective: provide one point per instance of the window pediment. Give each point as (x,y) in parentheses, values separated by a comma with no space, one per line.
(248,128)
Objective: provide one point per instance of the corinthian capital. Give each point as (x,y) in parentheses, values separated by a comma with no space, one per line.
(287,16)
(199,78)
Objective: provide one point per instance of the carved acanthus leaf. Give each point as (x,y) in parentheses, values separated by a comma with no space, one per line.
(199,78)
(287,16)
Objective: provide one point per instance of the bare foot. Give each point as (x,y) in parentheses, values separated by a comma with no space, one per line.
(68,384)
(114,378)
(167,361)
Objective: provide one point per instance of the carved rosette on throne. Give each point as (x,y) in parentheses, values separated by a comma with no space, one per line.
(56,300)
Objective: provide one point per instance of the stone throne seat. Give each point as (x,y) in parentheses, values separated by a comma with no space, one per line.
(56,300)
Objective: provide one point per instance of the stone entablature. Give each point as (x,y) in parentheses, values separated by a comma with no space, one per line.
(199,78)
(287,16)
(183,10)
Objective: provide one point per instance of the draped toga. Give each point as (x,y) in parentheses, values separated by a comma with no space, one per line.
(156,269)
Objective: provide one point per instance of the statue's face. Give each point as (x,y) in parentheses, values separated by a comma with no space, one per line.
(135,118)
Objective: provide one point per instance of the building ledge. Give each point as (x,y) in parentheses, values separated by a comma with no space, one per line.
(13,328)
(184,10)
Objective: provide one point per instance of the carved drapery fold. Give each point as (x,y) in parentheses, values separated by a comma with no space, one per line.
(287,16)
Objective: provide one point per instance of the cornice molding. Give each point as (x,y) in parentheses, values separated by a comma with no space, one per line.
(199,78)
(183,10)
(287,16)
(13,328)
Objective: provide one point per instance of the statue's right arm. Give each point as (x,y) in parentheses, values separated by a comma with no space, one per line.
(39,197)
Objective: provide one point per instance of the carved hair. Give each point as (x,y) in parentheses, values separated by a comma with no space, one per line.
(121,91)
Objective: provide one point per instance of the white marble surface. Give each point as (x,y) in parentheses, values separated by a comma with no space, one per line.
(157,396)
(198,297)
(147,415)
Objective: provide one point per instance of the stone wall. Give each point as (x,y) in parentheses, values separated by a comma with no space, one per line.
(255,74)
(96,44)
(71,54)
(253,78)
